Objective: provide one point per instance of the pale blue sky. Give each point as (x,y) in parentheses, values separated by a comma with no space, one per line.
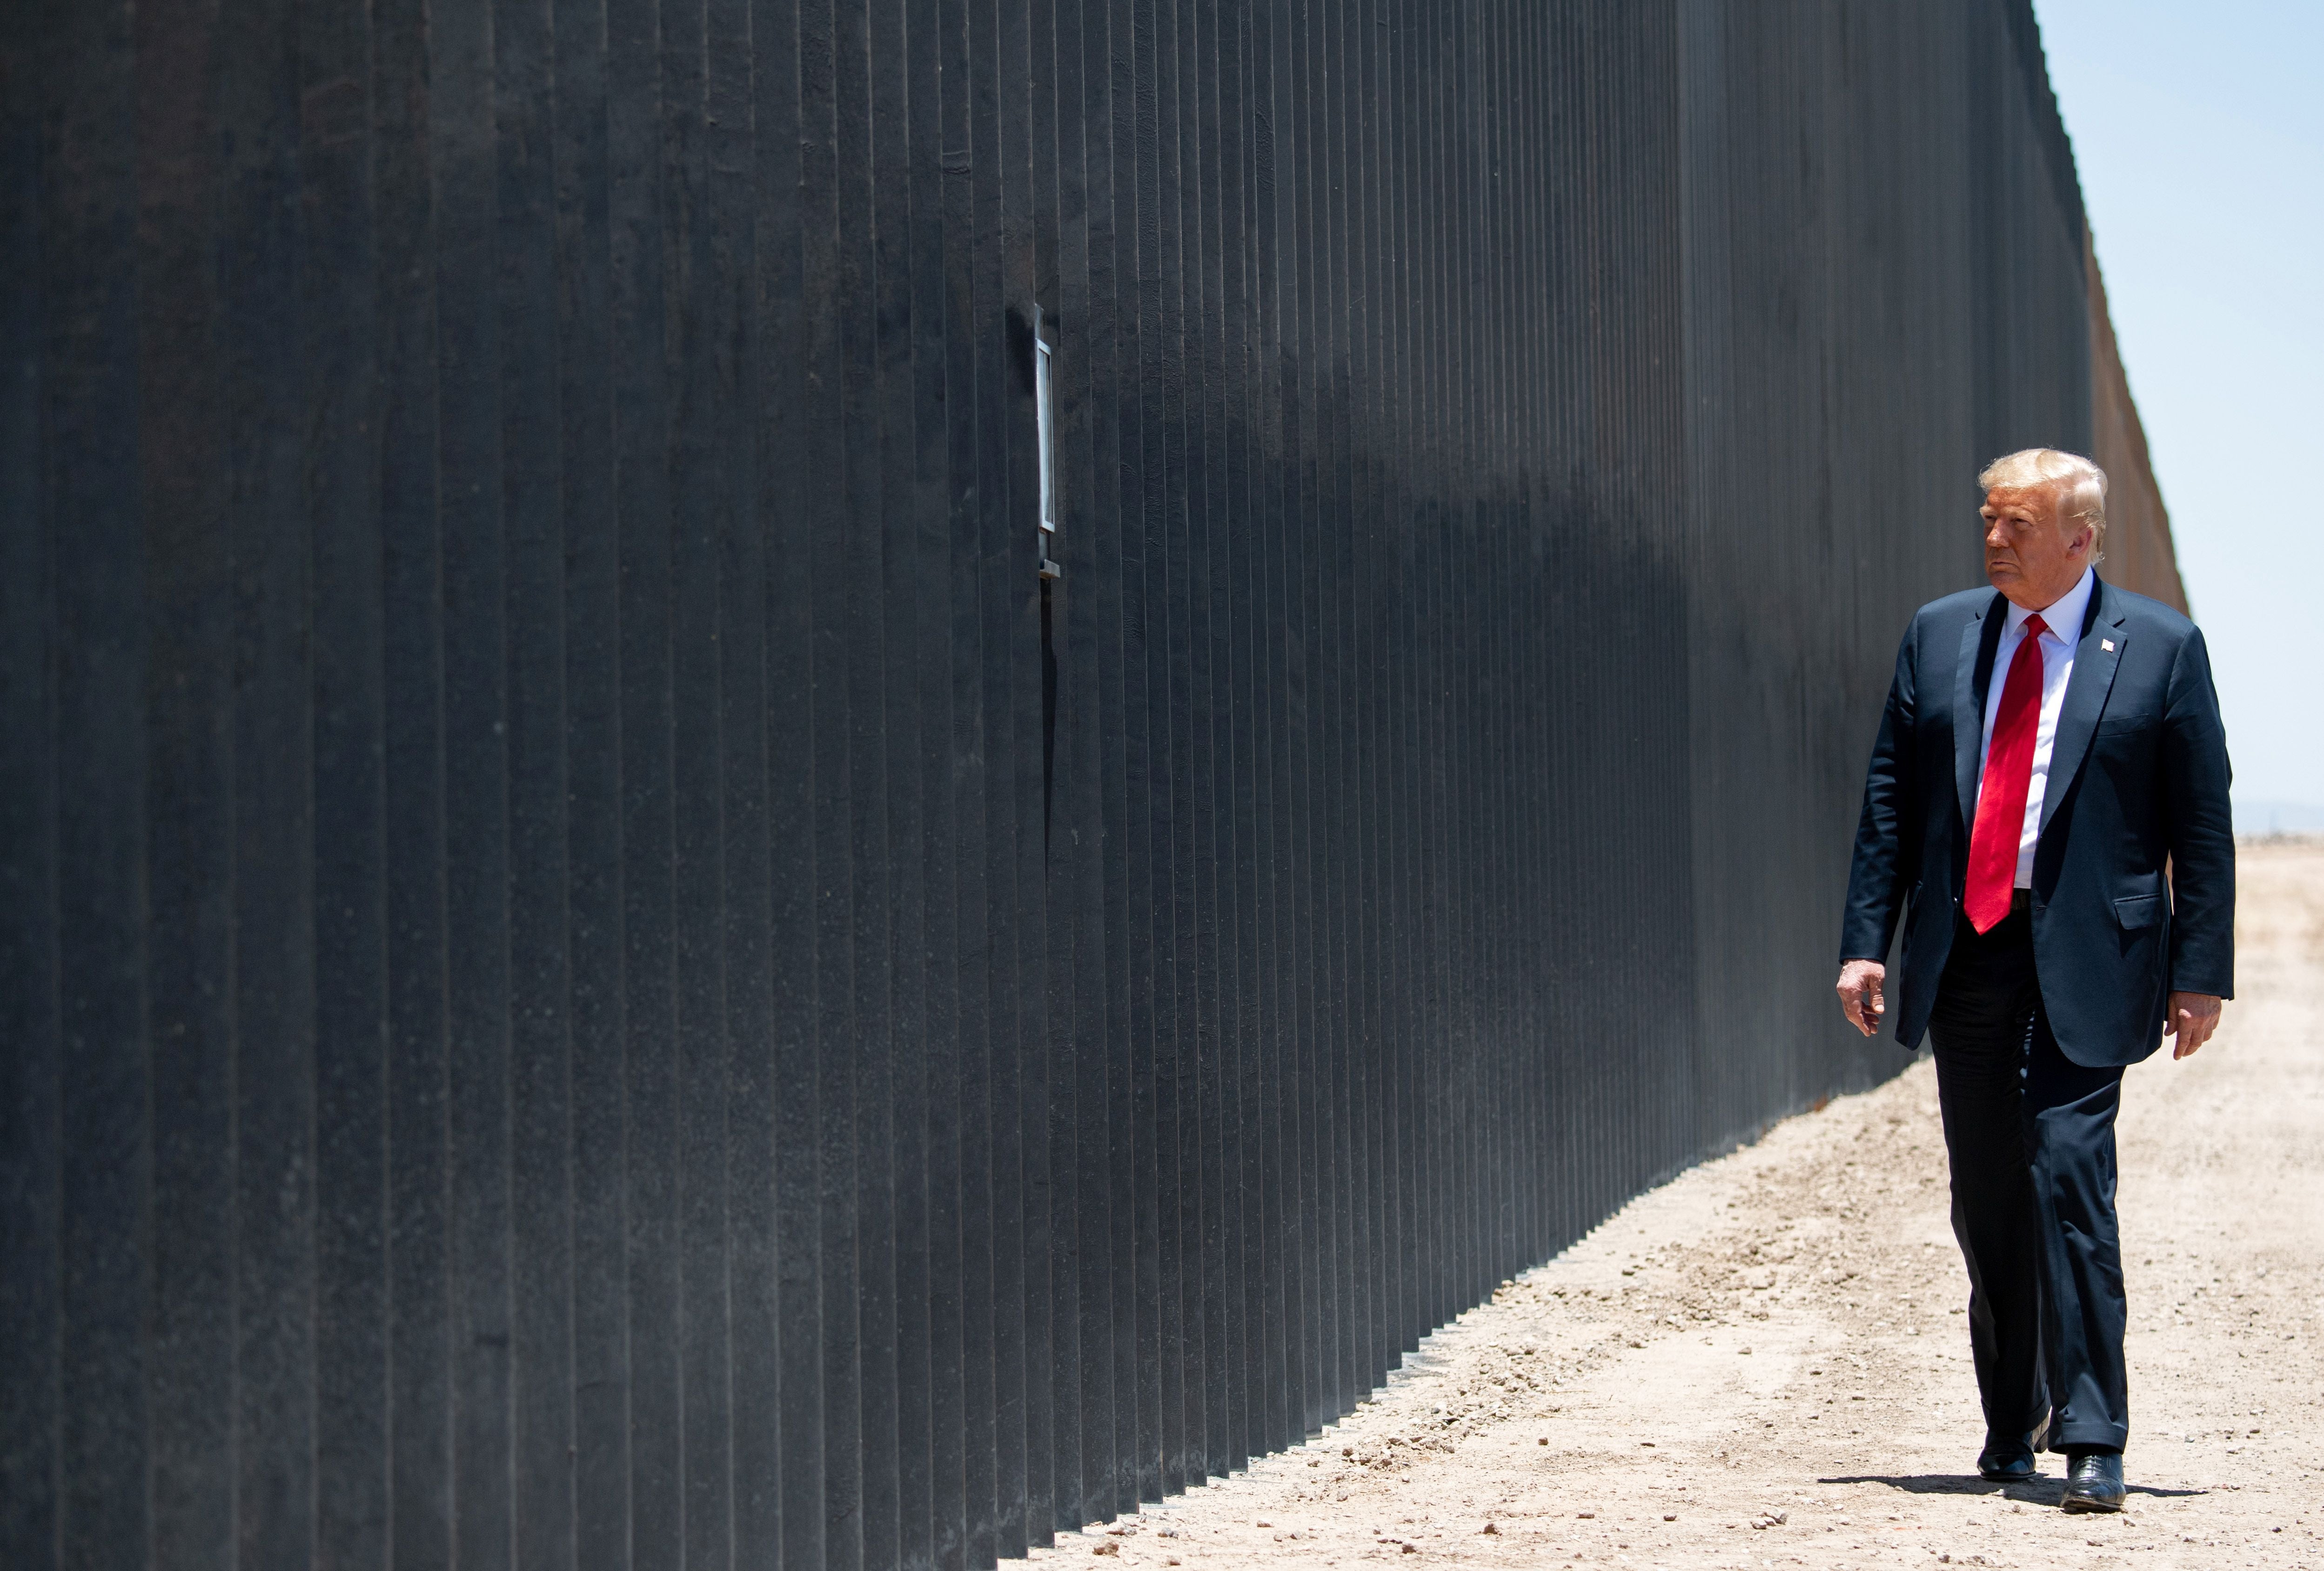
(2200,133)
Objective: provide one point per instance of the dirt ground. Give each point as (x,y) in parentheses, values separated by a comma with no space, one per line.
(1766,1362)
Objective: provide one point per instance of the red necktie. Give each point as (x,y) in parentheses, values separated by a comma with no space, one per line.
(2001,798)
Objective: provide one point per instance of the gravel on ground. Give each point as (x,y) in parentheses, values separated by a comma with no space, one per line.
(1766,1361)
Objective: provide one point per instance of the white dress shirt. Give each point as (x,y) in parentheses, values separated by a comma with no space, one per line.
(2063,622)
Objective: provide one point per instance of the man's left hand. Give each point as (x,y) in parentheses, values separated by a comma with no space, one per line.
(2192,1019)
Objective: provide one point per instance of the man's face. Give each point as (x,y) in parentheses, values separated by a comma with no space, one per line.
(2030,554)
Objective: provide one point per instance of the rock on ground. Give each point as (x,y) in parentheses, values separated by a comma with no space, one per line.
(1766,1361)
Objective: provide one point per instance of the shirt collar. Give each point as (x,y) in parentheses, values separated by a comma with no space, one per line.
(2063,617)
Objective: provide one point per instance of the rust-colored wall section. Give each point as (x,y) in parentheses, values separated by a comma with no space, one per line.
(2138,552)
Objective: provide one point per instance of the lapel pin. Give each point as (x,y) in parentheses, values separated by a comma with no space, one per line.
(2107,644)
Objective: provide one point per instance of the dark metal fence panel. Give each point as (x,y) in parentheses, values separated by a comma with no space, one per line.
(597,968)
(1875,287)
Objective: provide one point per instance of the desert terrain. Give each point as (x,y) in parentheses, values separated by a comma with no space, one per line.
(1766,1361)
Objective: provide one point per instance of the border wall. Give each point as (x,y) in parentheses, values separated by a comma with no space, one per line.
(597,971)
(2139,553)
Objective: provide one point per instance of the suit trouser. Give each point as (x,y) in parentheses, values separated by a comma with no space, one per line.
(2029,1134)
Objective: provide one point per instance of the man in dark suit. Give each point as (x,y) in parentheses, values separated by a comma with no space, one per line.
(2046,812)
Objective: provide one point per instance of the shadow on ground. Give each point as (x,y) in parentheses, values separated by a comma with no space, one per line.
(2038,1491)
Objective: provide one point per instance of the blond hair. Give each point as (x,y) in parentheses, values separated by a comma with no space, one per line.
(2080,485)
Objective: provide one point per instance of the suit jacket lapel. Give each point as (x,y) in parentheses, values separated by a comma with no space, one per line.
(2095,663)
(1971,675)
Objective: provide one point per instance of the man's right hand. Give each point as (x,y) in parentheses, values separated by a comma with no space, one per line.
(1859,994)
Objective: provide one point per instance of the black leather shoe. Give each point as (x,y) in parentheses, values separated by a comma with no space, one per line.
(2009,1458)
(2095,1483)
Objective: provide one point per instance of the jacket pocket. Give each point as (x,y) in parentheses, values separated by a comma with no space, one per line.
(2138,910)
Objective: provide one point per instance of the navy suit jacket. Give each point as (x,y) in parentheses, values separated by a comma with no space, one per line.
(2138,784)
